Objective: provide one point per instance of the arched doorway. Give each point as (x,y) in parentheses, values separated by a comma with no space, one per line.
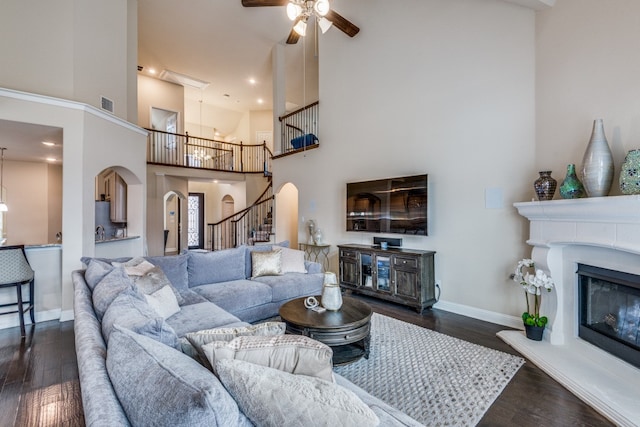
(172,223)
(227,209)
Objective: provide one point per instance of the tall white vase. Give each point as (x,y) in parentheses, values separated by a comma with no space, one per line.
(597,163)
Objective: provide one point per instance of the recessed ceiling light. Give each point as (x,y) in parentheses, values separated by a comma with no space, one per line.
(152,70)
(252,81)
(48,144)
(260,101)
(50,159)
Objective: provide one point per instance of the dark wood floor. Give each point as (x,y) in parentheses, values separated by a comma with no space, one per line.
(39,376)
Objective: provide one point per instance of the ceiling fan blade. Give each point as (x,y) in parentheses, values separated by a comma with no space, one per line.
(293,37)
(260,3)
(342,23)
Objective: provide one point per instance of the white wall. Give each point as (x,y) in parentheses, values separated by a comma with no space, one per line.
(77,49)
(447,90)
(587,67)
(159,94)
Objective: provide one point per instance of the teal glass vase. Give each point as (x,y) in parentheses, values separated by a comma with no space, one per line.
(571,187)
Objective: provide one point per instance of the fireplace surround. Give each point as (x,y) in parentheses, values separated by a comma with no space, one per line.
(601,232)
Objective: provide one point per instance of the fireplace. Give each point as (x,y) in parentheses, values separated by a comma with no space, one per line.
(609,311)
(588,338)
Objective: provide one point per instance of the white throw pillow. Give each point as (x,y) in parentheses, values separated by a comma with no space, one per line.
(273,398)
(164,302)
(295,354)
(292,260)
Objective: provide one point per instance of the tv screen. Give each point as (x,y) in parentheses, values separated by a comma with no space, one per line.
(392,205)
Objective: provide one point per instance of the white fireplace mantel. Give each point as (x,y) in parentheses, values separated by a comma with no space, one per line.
(599,231)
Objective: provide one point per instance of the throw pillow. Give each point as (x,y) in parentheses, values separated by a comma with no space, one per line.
(130,311)
(292,400)
(135,267)
(159,386)
(154,280)
(295,354)
(292,260)
(111,285)
(96,270)
(163,301)
(174,267)
(206,336)
(267,263)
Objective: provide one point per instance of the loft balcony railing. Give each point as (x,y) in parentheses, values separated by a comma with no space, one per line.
(250,225)
(173,149)
(299,129)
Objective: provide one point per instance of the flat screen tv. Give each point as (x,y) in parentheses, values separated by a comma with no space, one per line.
(392,205)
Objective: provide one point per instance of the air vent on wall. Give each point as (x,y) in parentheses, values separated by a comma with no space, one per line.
(106,104)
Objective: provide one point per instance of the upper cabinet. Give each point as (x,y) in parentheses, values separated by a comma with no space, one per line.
(112,188)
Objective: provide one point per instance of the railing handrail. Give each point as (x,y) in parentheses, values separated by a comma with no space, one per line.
(184,150)
(299,110)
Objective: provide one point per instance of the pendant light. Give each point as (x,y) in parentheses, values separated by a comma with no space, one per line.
(3,205)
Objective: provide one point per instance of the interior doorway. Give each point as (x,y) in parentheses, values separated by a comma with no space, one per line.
(172,224)
(227,209)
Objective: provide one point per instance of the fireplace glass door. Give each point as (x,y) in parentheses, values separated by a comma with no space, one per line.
(610,311)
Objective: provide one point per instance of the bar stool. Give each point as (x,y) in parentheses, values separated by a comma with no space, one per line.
(16,271)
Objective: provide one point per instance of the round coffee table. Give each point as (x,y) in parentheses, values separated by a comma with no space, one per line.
(346,331)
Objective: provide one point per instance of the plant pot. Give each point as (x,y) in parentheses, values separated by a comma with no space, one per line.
(534,332)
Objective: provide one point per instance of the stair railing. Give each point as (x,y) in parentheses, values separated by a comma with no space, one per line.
(242,227)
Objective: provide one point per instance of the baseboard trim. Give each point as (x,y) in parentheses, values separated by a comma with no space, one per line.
(66,315)
(41,316)
(480,314)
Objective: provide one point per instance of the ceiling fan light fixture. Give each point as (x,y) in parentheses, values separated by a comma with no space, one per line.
(324,24)
(321,7)
(293,11)
(301,27)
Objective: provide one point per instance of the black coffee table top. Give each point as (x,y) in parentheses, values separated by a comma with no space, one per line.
(352,314)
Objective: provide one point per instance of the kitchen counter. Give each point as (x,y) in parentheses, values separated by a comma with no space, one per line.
(116,239)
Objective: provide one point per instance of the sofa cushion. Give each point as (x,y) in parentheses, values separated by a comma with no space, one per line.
(227,295)
(216,267)
(295,354)
(130,311)
(163,301)
(267,263)
(292,400)
(174,267)
(292,260)
(293,285)
(159,386)
(96,270)
(204,315)
(112,284)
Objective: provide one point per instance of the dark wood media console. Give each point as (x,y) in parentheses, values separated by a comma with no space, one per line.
(404,276)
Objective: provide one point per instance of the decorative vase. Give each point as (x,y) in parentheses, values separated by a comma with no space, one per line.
(630,173)
(534,332)
(312,230)
(545,186)
(317,237)
(331,292)
(597,163)
(571,187)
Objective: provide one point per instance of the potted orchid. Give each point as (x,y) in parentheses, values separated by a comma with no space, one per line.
(533,281)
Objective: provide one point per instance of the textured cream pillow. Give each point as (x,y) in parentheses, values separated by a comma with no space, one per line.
(164,302)
(267,263)
(292,260)
(295,354)
(272,398)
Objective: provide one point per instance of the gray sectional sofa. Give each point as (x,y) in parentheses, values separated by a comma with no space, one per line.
(136,367)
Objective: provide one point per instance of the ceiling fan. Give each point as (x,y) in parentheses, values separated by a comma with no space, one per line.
(300,11)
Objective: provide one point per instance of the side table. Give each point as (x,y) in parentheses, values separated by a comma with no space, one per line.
(316,253)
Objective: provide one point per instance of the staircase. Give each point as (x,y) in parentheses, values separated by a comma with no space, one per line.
(246,227)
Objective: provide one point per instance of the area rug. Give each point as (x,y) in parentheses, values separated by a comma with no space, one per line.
(436,379)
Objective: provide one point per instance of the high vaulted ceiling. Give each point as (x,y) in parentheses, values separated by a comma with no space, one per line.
(220,42)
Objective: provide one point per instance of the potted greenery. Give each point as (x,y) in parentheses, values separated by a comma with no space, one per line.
(533,281)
